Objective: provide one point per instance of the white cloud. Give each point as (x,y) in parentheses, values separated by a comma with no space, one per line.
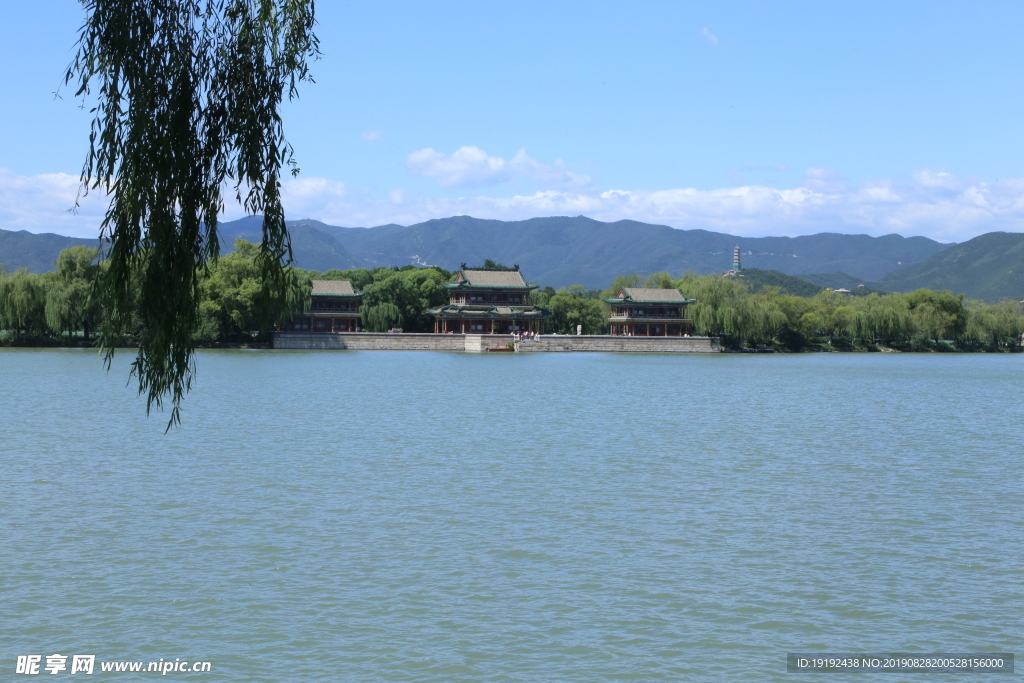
(936,205)
(465,167)
(941,179)
(548,175)
(709,36)
(370,136)
(473,167)
(44,203)
(823,202)
(878,192)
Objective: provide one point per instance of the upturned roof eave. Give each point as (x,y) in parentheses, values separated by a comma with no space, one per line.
(659,302)
(466,285)
(456,312)
(642,319)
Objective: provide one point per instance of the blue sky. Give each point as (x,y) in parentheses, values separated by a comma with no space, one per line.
(751,118)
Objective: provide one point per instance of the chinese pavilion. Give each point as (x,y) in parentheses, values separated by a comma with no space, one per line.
(646,312)
(489,301)
(334,308)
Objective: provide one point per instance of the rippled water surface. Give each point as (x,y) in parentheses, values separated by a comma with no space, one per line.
(386,516)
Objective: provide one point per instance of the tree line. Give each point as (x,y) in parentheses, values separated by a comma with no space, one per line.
(62,307)
(66,305)
(922,320)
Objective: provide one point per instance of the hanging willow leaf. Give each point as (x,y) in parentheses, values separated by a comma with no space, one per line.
(188,95)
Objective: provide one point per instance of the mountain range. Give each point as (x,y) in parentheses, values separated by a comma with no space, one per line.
(990,267)
(560,251)
(35,251)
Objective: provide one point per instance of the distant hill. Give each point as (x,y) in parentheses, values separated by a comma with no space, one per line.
(989,267)
(313,247)
(757,279)
(839,281)
(859,286)
(557,251)
(35,251)
(560,251)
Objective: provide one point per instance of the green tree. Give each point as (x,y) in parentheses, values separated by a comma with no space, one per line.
(412,291)
(660,281)
(71,305)
(940,314)
(23,303)
(232,294)
(998,325)
(884,319)
(188,97)
(789,333)
(488,263)
(539,298)
(718,308)
(381,317)
(761,318)
(569,308)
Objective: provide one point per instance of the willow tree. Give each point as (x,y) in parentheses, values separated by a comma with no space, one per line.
(187,99)
(381,318)
(70,306)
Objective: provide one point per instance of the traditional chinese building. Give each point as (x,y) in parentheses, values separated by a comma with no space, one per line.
(489,301)
(646,312)
(334,308)
(737,268)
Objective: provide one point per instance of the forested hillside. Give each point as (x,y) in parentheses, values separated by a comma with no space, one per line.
(989,267)
(37,252)
(562,251)
(557,251)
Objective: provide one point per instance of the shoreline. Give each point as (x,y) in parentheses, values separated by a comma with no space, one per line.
(479,343)
(428,341)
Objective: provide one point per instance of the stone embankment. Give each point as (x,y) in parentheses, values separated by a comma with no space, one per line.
(373,341)
(611,344)
(370,341)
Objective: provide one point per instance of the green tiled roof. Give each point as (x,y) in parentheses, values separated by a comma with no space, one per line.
(333,288)
(649,295)
(489,279)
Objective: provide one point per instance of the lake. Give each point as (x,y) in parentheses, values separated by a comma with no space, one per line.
(390,516)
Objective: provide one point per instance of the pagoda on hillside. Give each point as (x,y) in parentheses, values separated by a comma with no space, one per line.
(648,312)
(736,267)
(489,301)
